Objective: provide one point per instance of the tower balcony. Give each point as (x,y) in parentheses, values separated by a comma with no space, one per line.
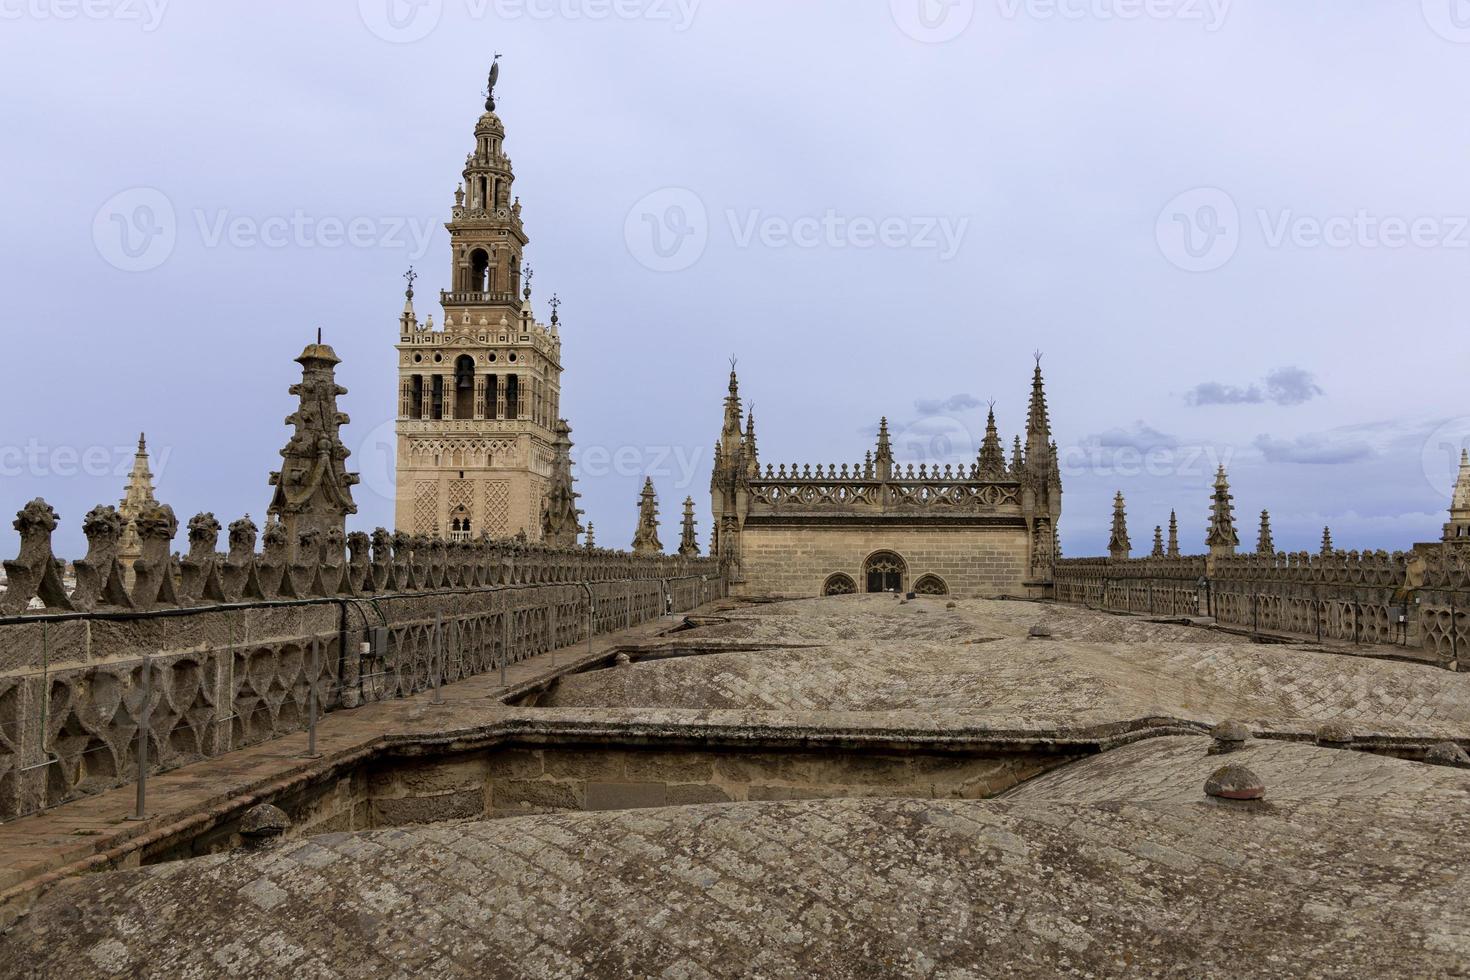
(476,298)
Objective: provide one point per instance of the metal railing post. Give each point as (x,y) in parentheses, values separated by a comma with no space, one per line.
(311,705)
(438,657)
(140,810)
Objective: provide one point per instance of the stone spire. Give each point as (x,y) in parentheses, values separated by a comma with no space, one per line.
(688,543)
(645,539)
(1173,550)
(591,536)
(1222,538)
(752,453)
(560,516)
(1018,458)
(1038,421)
(1458,528)
(313,488)
(992,457)
(137,497)
(1327,548)
(883,458)
(1264,544)
(1158,551)
(1118,544)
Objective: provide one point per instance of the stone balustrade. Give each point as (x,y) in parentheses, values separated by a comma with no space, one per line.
(212,651)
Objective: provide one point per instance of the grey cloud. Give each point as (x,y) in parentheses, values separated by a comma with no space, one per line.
(1312,450)
(1284,386)
(954,403)
(1140,435)
(1291,386)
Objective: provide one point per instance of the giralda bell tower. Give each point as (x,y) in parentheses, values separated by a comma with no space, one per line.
(479,397)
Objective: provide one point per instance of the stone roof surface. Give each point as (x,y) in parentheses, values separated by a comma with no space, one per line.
(1112,867)
(871,653)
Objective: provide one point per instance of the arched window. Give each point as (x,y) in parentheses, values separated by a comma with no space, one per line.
(464,387)
(839,584)
(479,271)
(459,525)
(884,571)
(931,585)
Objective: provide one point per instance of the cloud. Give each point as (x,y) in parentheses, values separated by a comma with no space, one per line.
(1215,393)
(1315,450)
(1140,435)
(954,403)
(1284,386)
(1291,386)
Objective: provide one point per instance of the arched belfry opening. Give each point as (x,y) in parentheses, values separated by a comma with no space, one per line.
(464,387)
(884,572)
(480,273)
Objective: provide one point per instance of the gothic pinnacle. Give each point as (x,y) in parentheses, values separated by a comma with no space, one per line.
(1173,551)
(1264,543)
(1118,544)
(1158,551)
(1327,548)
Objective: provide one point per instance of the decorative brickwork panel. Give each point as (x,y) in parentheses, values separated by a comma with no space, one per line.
(497,508)
(426,507)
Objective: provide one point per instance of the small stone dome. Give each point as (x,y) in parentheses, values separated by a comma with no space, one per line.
(264,821)
(1235,782)
(1333,733)
(1229,736)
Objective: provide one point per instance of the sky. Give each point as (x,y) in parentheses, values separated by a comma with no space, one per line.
(1237,230)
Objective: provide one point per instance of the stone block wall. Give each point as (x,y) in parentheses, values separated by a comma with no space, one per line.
(795,560)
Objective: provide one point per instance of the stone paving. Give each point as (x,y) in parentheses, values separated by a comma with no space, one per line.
(1077,876)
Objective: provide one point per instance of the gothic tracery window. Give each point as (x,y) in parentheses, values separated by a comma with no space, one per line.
(839,584)
(884,572)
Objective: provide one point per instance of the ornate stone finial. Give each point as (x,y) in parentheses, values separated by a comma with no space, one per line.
(645,539)
(688,542)
(1118,544)
(591,536)
(560,517)
(992,457)
(1173,549)
(1327,549)
(1265,545)
(1158,551)
(313,488)
(34,574)
(1222,539)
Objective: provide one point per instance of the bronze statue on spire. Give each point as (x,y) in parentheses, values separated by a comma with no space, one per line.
(490,89)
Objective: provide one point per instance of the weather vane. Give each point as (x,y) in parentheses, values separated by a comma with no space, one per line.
(530,275)
(412,277)
(555,308)
(494,77)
